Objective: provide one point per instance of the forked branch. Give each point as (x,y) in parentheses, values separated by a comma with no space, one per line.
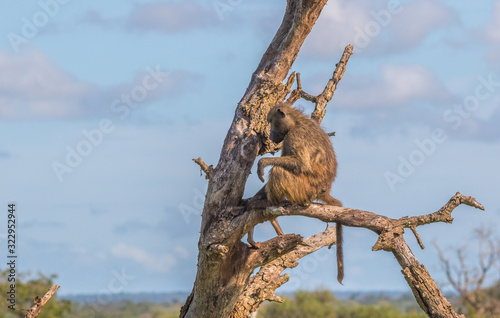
(322,99)
(379,224)
(262,286)
(390,231)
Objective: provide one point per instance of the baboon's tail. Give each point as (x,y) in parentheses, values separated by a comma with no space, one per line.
(340,254)
(328,199)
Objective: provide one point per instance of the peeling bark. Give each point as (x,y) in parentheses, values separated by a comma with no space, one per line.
(390,239)
(263,284)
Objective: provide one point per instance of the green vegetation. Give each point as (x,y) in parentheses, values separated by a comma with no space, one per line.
(479,303)
(26,290)
(303,304)
(323,303)
(126,309)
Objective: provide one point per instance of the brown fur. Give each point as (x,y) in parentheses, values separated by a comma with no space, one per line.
(306,169)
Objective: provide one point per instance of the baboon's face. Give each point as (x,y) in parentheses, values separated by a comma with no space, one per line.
(279,125)
(276,136)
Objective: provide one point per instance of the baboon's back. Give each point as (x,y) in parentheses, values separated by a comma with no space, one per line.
(308,143)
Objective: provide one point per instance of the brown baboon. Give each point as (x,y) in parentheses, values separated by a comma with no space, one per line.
(306,169)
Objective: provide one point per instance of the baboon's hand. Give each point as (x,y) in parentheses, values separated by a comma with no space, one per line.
(260,170)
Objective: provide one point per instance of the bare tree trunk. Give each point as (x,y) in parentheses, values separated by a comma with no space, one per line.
(224,262)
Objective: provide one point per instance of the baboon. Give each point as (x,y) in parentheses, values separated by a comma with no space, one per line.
(306,169)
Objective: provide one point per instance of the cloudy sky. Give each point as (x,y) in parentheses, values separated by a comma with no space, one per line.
(103,104)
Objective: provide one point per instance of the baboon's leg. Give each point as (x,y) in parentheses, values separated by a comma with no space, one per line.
(258,201)
(261,194)
(276,226)
(289,163)
(328,199)
(251,241)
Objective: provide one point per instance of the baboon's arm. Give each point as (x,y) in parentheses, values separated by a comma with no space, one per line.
(292,164)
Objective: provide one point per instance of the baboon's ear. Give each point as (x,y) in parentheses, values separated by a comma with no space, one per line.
(280,113)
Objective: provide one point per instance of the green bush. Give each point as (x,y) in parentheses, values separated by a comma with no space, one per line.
(323,304)
(27,289)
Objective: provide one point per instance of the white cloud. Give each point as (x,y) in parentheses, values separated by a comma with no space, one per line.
(491,34)
(31,86)
(336,27)
(171,16)
(156,263)
(418,20)
(492,30)
(493,57)
(376,28)
(398,86)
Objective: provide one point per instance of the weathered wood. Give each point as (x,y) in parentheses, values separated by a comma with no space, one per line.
(223,267)
(38,302)
(224,262)
(263,284)
(424,288)
(390,232)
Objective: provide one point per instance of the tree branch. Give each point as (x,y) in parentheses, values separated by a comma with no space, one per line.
(322,99)
(468,280)
(220,252)
(382,225)
(224,262)
(39,303)
(273,248)
(262,286)
(385,227)
(327,94)
(204,167)
(390,233)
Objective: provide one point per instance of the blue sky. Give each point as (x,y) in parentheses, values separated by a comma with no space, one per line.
(104,104)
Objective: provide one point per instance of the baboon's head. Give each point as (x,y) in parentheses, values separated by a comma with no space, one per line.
(281,121)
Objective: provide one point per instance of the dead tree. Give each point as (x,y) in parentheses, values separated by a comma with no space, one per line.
(471,280)
(225,263)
